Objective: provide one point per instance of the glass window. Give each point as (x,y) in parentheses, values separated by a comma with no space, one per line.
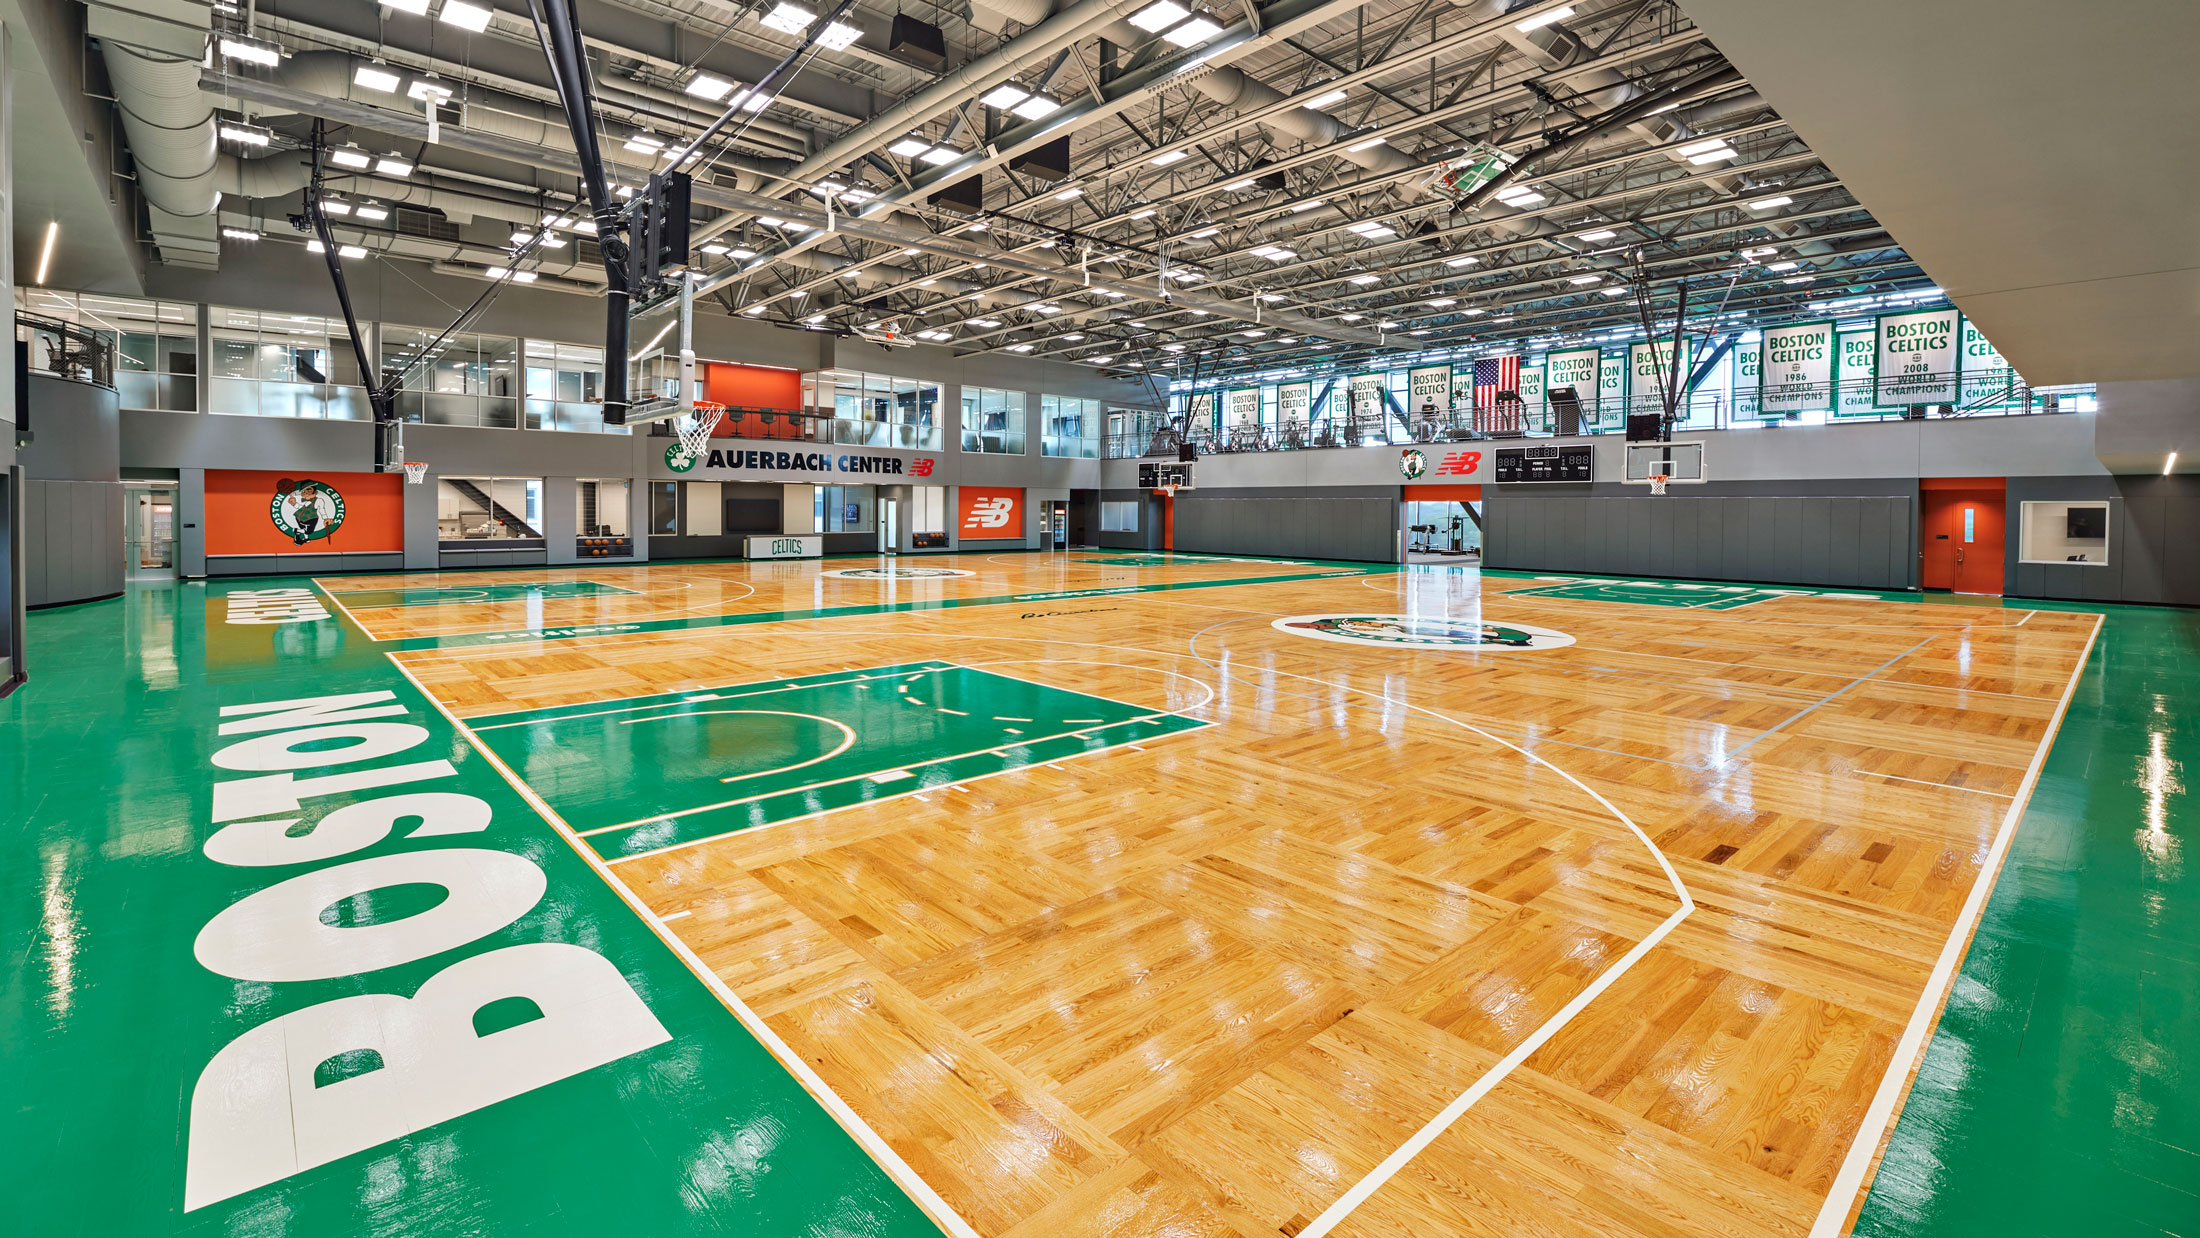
(842,509)
(664,507)
(266,364)
(564,387)
(466,380)
(875,410)
(474,509)
(1069,426)
(602,507)
(993,421)
(156,343)
(1119,516)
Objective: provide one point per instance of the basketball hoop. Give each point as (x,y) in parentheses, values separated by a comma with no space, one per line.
(695,433)
(1169,490)
(1657,482)
(416,472)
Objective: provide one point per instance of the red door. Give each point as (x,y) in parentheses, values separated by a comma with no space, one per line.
(1962,527)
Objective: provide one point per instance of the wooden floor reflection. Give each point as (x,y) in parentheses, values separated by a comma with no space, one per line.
(1207,985)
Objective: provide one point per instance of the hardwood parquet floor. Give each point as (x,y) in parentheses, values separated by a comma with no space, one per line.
(1205,986)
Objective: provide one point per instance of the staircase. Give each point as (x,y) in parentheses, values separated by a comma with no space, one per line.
(496,510)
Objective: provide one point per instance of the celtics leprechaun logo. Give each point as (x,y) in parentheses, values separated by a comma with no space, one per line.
(306,511)
(679,459)
(1412,463)
(896,573)
(1419,632)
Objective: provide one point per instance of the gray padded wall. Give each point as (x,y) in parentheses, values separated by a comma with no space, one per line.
(1309,524)
(72,541)
(1842,541)
(2153,554)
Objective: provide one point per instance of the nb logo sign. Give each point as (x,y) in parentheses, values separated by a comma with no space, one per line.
(992,513)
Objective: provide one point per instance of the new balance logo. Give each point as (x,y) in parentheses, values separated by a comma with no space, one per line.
(991,513)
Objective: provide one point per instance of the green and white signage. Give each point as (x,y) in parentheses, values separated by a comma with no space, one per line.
(1984,372)
(1531,390)
(1243,406)
(1576,368)
(1428,385)
(1917,357)
(1648,364)
(1293,400)
(1796,374)
(1367,395)
(1856,363)
(1611,389)
(1200,408)
(1746,358)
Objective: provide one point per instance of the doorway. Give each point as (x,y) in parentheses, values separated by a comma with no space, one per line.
(149,539)
(1962,541)
(1442,524)
(889,523)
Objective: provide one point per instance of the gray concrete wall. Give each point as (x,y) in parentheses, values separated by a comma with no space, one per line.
(2141,423)
(1859,540)
(72,493)
(2153,556)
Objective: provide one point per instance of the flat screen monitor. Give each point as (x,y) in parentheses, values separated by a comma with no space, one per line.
(2087,522)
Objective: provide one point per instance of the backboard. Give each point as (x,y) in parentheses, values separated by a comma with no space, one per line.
(1678,462)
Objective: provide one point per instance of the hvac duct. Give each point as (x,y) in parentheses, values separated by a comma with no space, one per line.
(1233,88)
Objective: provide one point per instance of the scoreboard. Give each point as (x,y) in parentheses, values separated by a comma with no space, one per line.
(1574,463)
(1152,475)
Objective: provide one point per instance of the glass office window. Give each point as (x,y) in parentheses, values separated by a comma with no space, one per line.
(156,343)
(268,364)
(875,410)
(564,387)
(474,509)
(1069,426)
(993,421)
(466,380)
(602,507)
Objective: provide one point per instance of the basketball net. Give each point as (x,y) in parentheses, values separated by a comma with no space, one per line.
(695,431)
(1657,482)
(416,472)
(1167,490)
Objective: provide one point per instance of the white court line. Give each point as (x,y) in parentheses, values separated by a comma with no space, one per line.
(881,1152)
(1925,782)
(678,699)
(677,915)
(1848,1185)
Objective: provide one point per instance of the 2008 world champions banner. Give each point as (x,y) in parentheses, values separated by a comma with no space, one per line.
(1917,357)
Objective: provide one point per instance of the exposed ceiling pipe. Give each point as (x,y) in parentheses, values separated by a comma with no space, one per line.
(993,16)
(1233,88)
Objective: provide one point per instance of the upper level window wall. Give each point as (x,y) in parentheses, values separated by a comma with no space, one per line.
(156,343)
(993,421)
(565,388)
(269,364)
(466,380)
(875,410)
(1069,426)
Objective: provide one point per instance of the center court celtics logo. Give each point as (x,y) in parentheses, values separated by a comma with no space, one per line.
(896,573)
(679,459)
(1412,463)
(1416,632)
(306,511)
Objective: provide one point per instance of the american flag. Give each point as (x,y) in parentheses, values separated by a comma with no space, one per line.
(1494,375)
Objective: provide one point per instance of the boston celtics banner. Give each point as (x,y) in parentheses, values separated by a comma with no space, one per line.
(1576,368)
(1647,371)
(1531,395)
(1745,380)
(1855,366)
(1200,408)
(1243,407)
(1917,357)
(1428,385)
(1292,401)
(1796,373)
(1986,377)
(1611,389)
(1367,396)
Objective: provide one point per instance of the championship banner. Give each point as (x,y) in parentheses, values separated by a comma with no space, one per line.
(1244,406)
(1531,394)
(1428,385)
(1917,357)
(1576,368)
(1199,409)
(1293,400)
(1647,370)
(990,512)
(1855,369)
(1983,371)
(1745,380)
(1796,373)
(1611,391)
(1366,395)
(1462,388)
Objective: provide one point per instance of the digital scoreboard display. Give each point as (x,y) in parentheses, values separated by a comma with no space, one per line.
(1576,463)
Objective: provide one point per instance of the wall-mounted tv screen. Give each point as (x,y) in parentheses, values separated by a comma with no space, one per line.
(2087,522)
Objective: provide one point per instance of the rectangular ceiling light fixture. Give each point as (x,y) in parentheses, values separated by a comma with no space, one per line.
(1544,18)
(372,210)
(1167,157)
(1067,194)
(246,135)
(335,206)
(465,16)
(1369,144)
(251,51)
(1462,260)
(1586,279)
(376,77)
(1194,32)
(939,155)
(415,7)
(709,86)
(910,147)
(839,36)
(1038,107)
(1159,16)
(1365,280)
(240,234)
(1442,302)
(1004,96)
(1204,233)
(393,165)
(428,90)
(789,18)
(1326,98)
(1601,234)
(1766,204)
(350,157)
(644,144)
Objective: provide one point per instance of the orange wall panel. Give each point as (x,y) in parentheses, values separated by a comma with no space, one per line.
(238,516)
